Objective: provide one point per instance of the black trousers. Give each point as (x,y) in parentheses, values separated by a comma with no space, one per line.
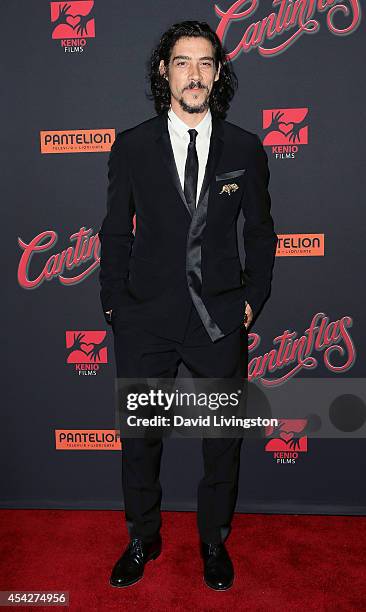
(139,353)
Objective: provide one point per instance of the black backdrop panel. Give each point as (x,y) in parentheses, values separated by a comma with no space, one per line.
(97,83)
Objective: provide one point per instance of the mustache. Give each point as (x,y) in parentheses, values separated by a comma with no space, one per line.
(195,85)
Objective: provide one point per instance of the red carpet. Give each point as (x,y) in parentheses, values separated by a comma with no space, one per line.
(282,563)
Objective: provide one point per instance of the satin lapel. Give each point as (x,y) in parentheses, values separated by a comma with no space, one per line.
(215,150)
(214,154)
(165,145)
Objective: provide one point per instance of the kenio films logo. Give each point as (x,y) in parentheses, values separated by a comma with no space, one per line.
(72,23)
(288,24)
(288,440)
(286,129)
(86,350)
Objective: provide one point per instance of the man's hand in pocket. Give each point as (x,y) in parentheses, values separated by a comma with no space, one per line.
(248,316)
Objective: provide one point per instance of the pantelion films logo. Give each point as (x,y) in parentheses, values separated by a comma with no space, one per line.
(87,439)
(77,141)
(300,245)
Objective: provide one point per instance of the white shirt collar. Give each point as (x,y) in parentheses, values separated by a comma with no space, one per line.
(181,128)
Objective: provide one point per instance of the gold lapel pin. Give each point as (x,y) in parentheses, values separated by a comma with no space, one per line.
(229,188)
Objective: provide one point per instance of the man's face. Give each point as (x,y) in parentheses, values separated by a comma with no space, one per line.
(191,73)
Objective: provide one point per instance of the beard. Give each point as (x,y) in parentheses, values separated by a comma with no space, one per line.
(199,108)
(194,109)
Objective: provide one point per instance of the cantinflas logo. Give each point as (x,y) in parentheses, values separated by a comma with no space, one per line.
(70,266)
(72,23)
(77,141)
(300,245)
(287,440)
(86,350)
(87,439)
(288,24)
(286,129)
(293,354)
(82,258)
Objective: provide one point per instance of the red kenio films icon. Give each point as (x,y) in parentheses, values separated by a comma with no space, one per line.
(86,347)
(289,435)
(73,19)
(285,126)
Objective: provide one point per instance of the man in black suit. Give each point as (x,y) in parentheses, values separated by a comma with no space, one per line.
(174,289)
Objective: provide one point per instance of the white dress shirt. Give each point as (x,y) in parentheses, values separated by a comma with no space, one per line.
(179,137)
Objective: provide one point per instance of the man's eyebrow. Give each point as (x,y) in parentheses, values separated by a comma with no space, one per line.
(187,57)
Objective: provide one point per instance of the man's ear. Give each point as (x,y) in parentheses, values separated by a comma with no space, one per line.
(162,69)
(217,75)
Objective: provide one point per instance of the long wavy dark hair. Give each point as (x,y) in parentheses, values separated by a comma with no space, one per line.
(223,89)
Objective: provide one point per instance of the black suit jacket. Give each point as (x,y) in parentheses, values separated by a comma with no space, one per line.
(151,276)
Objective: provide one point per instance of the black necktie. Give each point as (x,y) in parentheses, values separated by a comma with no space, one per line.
(191,172)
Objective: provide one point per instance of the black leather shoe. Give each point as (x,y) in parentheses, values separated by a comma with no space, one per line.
(130,567)
(218,568)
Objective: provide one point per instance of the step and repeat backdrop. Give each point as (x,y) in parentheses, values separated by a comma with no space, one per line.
(75,75)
